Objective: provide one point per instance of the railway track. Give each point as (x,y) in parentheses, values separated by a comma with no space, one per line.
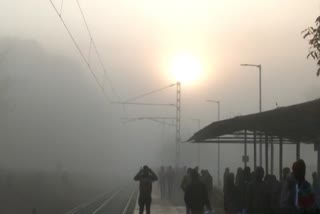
(119,201)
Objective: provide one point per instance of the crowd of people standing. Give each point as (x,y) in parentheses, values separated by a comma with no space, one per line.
(256,193)
(246,192)
(166,182)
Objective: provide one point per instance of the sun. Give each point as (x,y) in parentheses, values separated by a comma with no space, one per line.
(185,68)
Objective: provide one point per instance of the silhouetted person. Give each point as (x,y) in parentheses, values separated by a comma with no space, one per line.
(268,183)
(145,176)
(204,178)
(239,177)
(304,197)
(196,169)
(162,182)
(241,188)
(225,175)
(209,181)
(287,193)
(246,174)
(196,195)
(257,203)
(275,192)
(248,178)
(285,173)
(231,196)
(170,181)
(316,188)
(186,181)
(287,205)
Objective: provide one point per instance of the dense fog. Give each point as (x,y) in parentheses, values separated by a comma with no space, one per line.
(55,117)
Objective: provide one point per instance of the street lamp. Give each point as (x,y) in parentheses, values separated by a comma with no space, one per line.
(260,104)
(199,122)
(260,89)
(218,174)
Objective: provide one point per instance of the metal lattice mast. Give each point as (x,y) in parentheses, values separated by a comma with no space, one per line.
(178,124)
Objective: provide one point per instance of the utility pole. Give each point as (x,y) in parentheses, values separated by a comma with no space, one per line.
(260,90)
(260,104)
(178,124)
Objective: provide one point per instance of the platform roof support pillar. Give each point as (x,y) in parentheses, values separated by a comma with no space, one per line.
(254,150)
(280,157)
(318,158)
(245,160)
(272,156)
(267,154)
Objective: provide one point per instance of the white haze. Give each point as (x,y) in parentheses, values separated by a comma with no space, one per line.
(52,110)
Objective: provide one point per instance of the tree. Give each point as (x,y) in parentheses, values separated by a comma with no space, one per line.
(312,34)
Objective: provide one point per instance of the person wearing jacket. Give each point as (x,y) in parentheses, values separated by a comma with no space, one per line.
(196,195)
(145,176)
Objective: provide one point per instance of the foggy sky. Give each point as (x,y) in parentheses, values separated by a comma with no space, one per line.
(52,98)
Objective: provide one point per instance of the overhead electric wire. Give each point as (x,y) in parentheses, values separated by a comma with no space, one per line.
(154,119)
(146,104)
(147,118)
(162,122)
(92,41)
(61,6)
(149,93)
(80,51)
(103,67)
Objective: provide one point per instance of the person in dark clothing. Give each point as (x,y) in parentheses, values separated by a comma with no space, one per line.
(257,203)
(316,188)
(170,181)
(186,181)
(287,195)
(241,189)
(209,181)
(225,175)
(145,176)
(246,174)
(162,182)
(205,179)
(239,177)
(304,196)
(273,191)
(285,173)
(275,194)
(231,196)
(196,195)
(247,180)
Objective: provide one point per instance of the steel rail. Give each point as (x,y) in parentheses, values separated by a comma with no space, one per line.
(125,210)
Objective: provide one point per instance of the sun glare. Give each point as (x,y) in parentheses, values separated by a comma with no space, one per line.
(185,68)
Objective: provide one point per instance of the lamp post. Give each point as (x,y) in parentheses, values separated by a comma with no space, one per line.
(260,88)
(199,151)
(218,166)
(260,103)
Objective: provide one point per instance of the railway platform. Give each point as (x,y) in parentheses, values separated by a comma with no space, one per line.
(160,206)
